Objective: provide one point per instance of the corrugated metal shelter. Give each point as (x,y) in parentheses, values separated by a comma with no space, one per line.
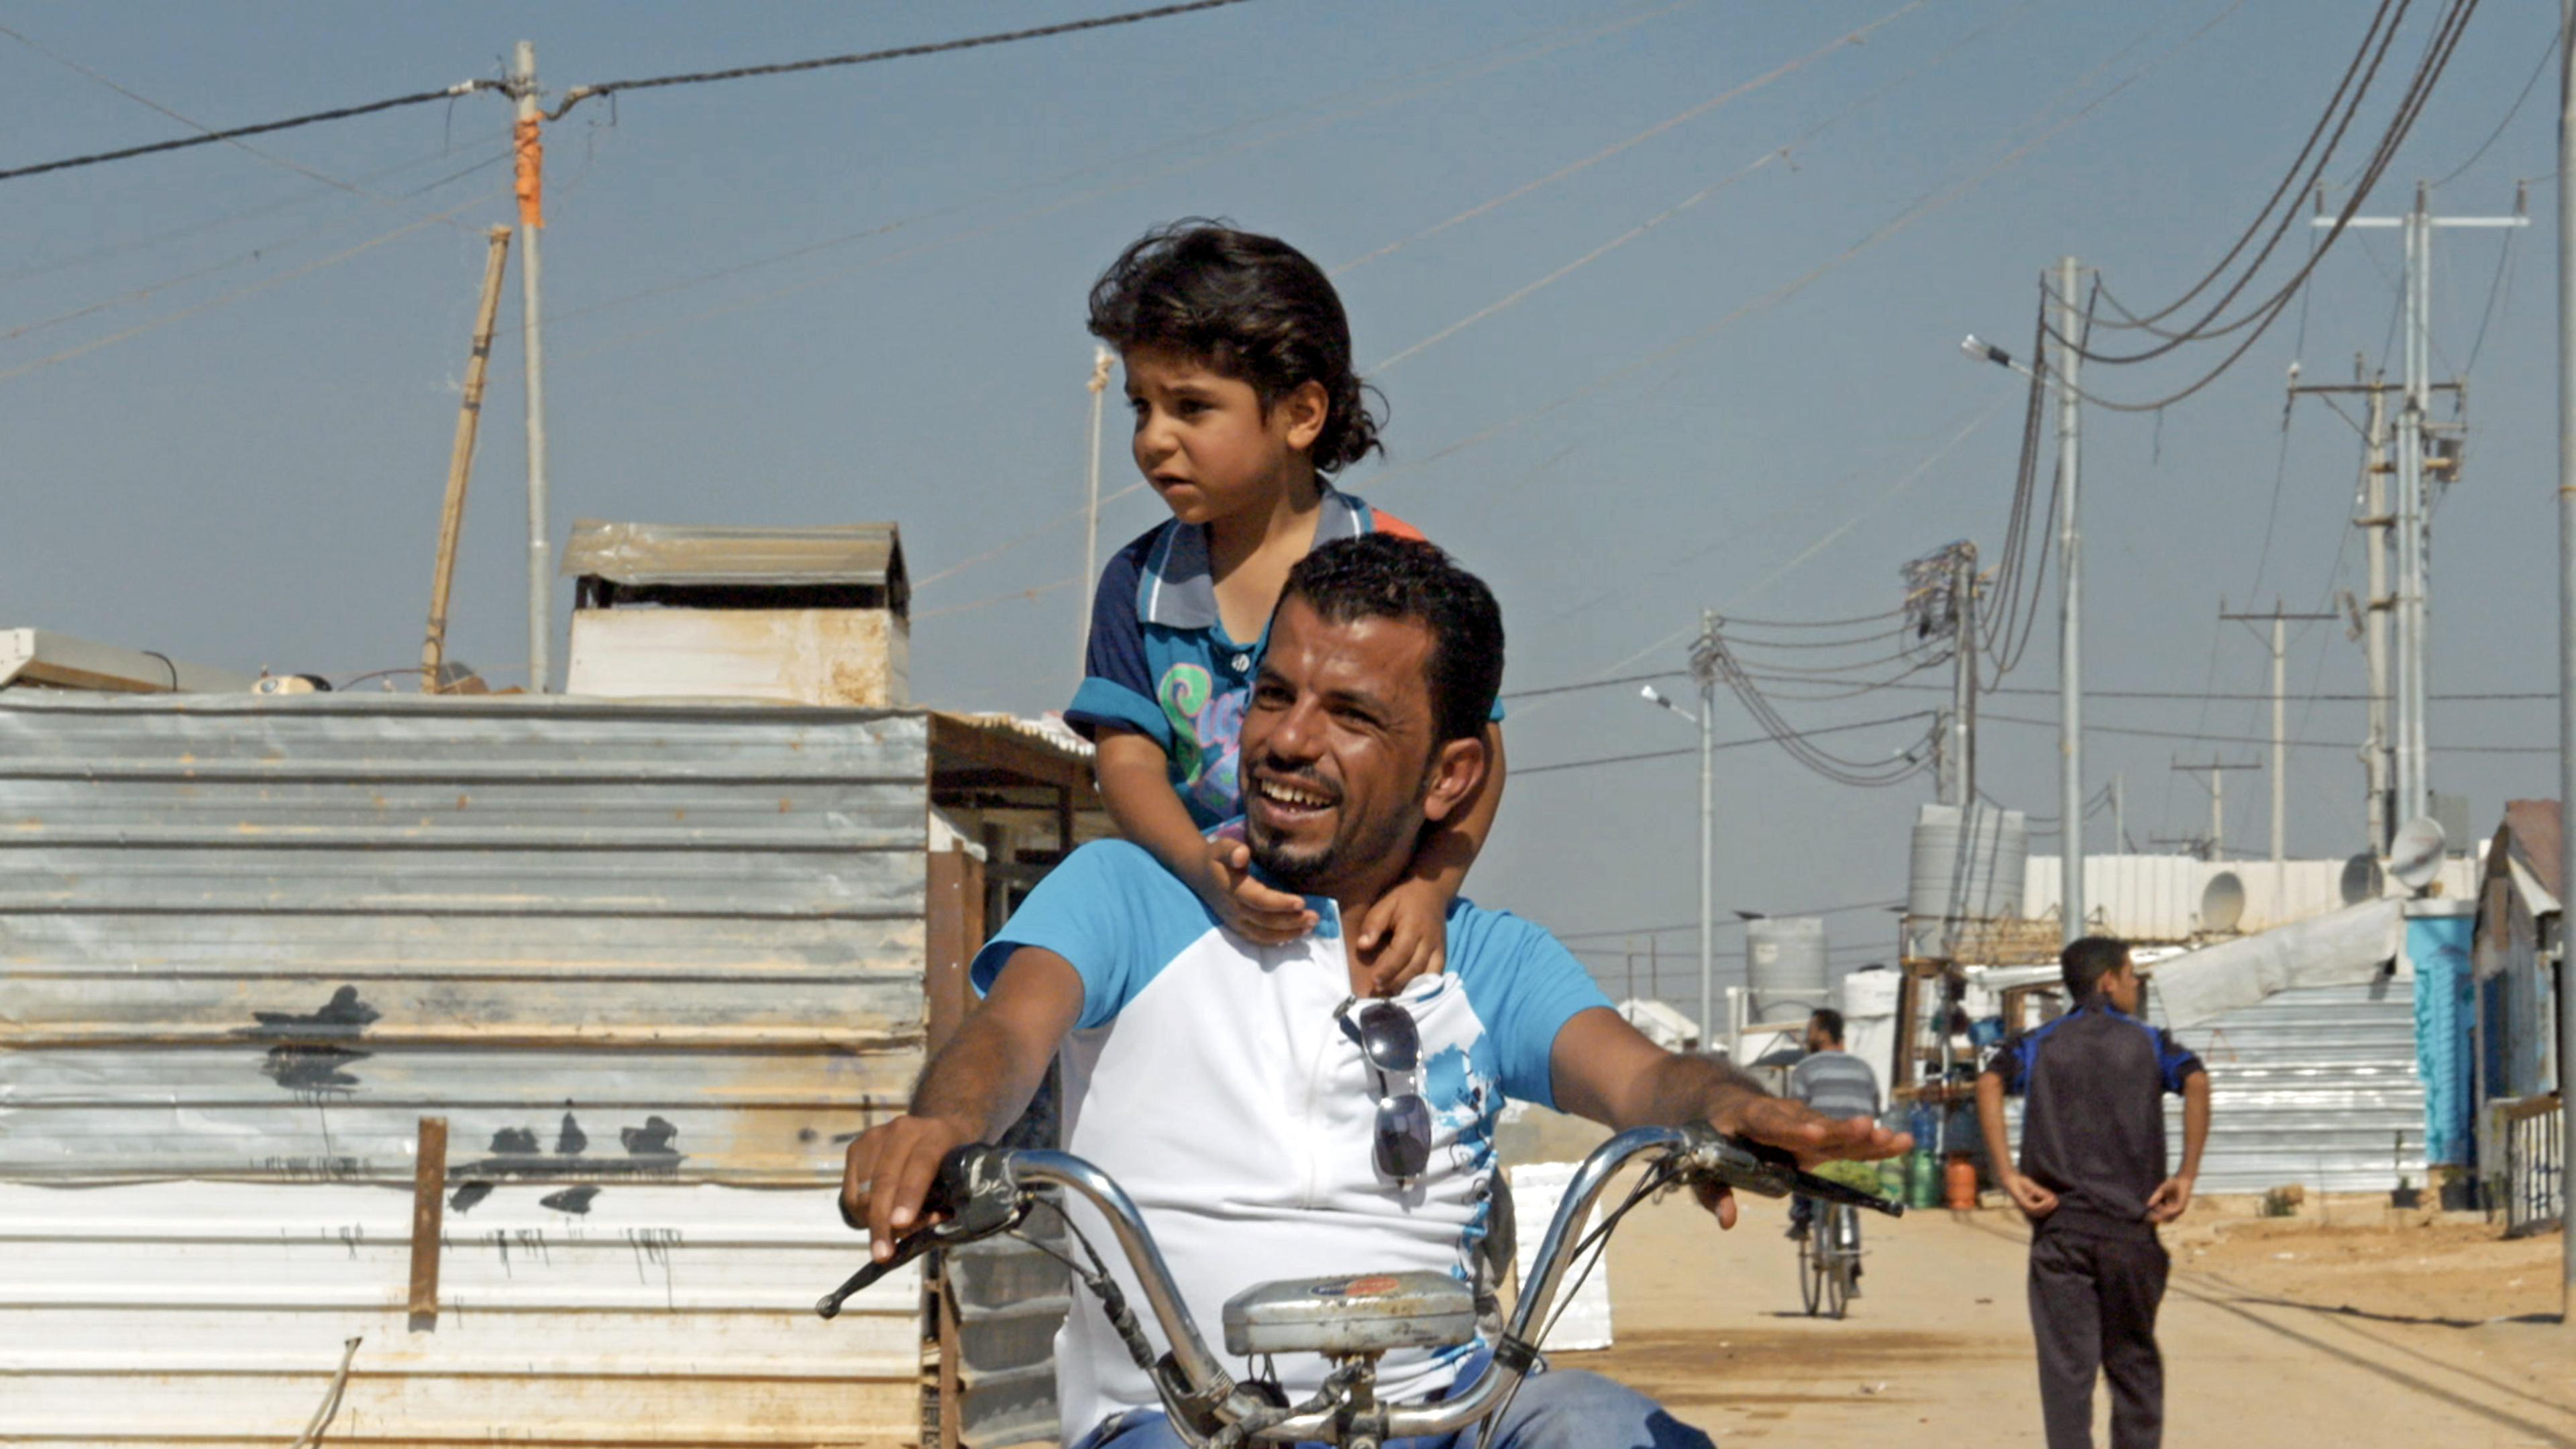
(2315,1085)
(2517,928)
(652,965)
(2513,959)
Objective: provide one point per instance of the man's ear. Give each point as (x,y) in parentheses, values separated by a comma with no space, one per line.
(1457,768)
(1303,413)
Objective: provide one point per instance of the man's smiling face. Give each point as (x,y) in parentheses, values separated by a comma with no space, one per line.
(1338,746)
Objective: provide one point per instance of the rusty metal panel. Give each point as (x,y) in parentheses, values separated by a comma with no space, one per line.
(654,963)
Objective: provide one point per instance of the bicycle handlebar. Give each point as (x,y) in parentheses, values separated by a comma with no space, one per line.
(985,1190)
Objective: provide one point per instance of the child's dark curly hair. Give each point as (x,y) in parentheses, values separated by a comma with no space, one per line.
(1249,306)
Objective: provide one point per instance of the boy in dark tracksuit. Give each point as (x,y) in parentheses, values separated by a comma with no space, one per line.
(2092,1182)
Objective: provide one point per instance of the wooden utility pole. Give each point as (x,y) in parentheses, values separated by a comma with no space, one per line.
(460,462)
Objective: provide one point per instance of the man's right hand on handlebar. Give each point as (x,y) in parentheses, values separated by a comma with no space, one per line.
(973,1090)
(889,1172)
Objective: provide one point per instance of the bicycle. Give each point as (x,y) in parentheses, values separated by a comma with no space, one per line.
(986,1191)
(1829,1260)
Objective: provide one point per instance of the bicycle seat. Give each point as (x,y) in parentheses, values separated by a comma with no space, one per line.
(1369,1314)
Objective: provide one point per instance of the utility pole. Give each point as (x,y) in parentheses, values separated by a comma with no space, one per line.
(2379,754)
(531,150)
(2566,636)
(1963,684)
(2070,618)
(1101,357)
(2120,813)
(460,461)
(1704,670)
(2280,640)
(1706,653)
(2413,793)
(2380,818)
(2217,787)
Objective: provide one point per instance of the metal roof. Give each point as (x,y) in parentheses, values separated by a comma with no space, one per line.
(709,555)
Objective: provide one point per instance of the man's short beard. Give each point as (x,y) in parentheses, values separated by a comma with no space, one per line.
(1293,873)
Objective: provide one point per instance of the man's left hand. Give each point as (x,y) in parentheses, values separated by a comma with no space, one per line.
(1810,1135)
(2172,1197)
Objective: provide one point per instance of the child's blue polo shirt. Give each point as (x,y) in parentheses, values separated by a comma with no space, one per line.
(1160,662)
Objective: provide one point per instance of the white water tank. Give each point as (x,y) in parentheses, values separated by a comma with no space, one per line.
(1785,965)
(1967,866)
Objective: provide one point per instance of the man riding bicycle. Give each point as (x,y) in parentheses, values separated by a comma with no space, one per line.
(1836,1084)
(1266,1120)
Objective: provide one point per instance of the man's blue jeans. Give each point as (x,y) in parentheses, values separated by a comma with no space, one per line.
(1559,1409)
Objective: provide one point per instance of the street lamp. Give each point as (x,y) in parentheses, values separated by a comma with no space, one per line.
(2061,378)
(1702,670)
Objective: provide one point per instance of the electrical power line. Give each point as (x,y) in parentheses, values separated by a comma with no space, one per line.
(1731,93)
(1520,772)
(579,94)
(1735,925)
(2094,729)
(248,289)
(2548,53)
(234,133)
(2259,319)
(1316,115)
(1926,204)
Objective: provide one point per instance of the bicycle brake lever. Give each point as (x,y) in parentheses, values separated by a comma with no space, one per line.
(975,1195)
(906,1248)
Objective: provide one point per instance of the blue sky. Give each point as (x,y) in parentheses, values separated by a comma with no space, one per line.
(228,388)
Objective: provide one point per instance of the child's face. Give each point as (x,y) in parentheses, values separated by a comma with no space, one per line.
(1206,443)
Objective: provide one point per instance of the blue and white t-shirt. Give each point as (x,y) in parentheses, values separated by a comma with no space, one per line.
(1209,1076)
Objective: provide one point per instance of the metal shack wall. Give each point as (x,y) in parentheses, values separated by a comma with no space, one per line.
(652,963)
(2313,1086)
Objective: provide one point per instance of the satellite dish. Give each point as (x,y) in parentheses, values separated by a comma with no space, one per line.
(2415,856)
(2362,879)
(2222,902)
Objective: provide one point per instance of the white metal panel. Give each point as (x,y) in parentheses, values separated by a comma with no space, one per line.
(2158,897)
(217,1312)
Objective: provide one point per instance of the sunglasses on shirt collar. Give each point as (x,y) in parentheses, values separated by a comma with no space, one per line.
(1392,1046)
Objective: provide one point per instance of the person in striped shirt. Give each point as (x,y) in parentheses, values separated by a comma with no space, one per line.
(1833,1082)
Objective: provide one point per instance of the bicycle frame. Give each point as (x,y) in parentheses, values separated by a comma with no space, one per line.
(1208,1405)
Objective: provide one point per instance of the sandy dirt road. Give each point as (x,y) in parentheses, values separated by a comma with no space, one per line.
(2260,1349)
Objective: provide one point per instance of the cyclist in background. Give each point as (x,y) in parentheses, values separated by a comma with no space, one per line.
(1837,1085)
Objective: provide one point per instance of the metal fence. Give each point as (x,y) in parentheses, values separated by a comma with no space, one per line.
(2535,1166)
